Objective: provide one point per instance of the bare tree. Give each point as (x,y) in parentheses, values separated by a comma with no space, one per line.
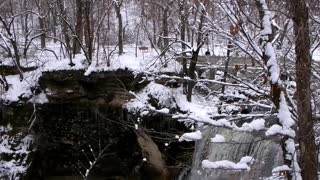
(11,38)
(201,36)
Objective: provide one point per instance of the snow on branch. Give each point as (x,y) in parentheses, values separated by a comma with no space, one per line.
(285,120)
(255,125)
(266,44)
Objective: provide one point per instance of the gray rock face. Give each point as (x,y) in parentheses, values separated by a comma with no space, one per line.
(99,88)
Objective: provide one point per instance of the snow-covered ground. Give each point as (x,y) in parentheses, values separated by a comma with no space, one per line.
(146,61)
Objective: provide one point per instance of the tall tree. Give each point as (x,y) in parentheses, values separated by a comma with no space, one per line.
(308,157)
(79,26)
(117,6)
(89,29)
(42,16)
(202,35)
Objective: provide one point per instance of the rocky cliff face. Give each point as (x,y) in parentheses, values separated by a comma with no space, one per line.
(110,87)
(84,130)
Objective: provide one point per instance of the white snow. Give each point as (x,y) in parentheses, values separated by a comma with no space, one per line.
(22,89)
(272,63)
(143,62)
(277,129)
(199,110)
(63,64)
(316,55)
(228,165)
(292,155)
(163,111)
(144,113)
(14,146)
(266,21)
(284,114)
(266,45)
(218,139)
(285,120)
(255,125)
(281,168)
(193,136)
(163,94)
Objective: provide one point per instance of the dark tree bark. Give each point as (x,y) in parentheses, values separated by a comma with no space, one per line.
(165,27)
(117,6)
(308,156)
(43,31)
(54,22)
(154,28)
(195,54)
(226,67)
(183,20)
(89,36)
(79,27)
(65,29)
(25,28)
(42,22)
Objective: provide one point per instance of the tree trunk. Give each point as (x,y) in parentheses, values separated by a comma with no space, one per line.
(226,67)
(43,31)
(42,23)
(195,54)
(183,38)
(191,73)
(79,27)
(120,27)
(54,23)
(308,157)
(154,27)
(65,30)
(165,27)
(89,29)
(25,30)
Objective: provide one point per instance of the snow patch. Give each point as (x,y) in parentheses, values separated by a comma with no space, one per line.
(225,164)
(193,136)
(255,125)
(281,168)
(218,139)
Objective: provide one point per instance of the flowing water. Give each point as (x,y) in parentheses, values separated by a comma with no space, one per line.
(267,155)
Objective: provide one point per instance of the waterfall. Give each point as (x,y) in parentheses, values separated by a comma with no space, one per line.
(266,152)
